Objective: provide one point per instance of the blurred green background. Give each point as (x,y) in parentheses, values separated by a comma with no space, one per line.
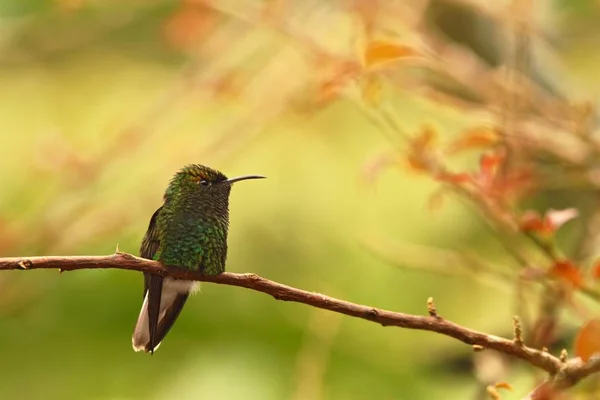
(102,101)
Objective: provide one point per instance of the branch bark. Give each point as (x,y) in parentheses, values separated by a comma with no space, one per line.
(562,374)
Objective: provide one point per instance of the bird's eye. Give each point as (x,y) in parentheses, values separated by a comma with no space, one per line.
(204,182)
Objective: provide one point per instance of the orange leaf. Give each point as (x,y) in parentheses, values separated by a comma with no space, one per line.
(475,138)
(336,80)
(417,163)
(425,139)
(503,385)
(454,178)
(567,271)
(328,91)
(190,24)
(379,52)
(587,342)
(371,90)
(419,153)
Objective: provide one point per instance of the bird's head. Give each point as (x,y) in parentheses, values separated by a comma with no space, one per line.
(204,183)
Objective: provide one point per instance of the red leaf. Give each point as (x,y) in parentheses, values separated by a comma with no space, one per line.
(567,271)
(545,391)
(454,178)
(531,221)
(587,342)
(512,184)
(489,163)
(488,167)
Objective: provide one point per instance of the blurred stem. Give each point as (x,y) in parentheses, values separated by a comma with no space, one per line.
(313,358)
(439,262)
(548,246)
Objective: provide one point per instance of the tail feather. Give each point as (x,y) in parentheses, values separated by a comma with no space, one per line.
(172,294)
(141,333)
(155,289)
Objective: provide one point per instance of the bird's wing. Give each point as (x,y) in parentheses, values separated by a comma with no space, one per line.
(152,283)
(151,240)
(150,244)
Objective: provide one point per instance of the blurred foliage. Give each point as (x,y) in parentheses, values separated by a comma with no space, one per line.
(103,101)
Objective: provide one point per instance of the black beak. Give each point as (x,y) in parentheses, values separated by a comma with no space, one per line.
(243,178)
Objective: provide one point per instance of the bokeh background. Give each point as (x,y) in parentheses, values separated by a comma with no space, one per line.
(102,101)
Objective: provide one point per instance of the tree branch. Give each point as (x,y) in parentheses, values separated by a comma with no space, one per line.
(564,374)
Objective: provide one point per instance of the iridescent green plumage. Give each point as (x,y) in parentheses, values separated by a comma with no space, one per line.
(192,225)
(188,231)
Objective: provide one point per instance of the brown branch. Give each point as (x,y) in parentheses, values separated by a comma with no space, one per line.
(562,374)
(126,261)
(570,374)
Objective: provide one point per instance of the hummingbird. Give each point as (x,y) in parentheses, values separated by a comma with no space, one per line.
(188,231)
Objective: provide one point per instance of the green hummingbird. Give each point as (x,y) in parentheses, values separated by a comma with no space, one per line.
(188,231)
